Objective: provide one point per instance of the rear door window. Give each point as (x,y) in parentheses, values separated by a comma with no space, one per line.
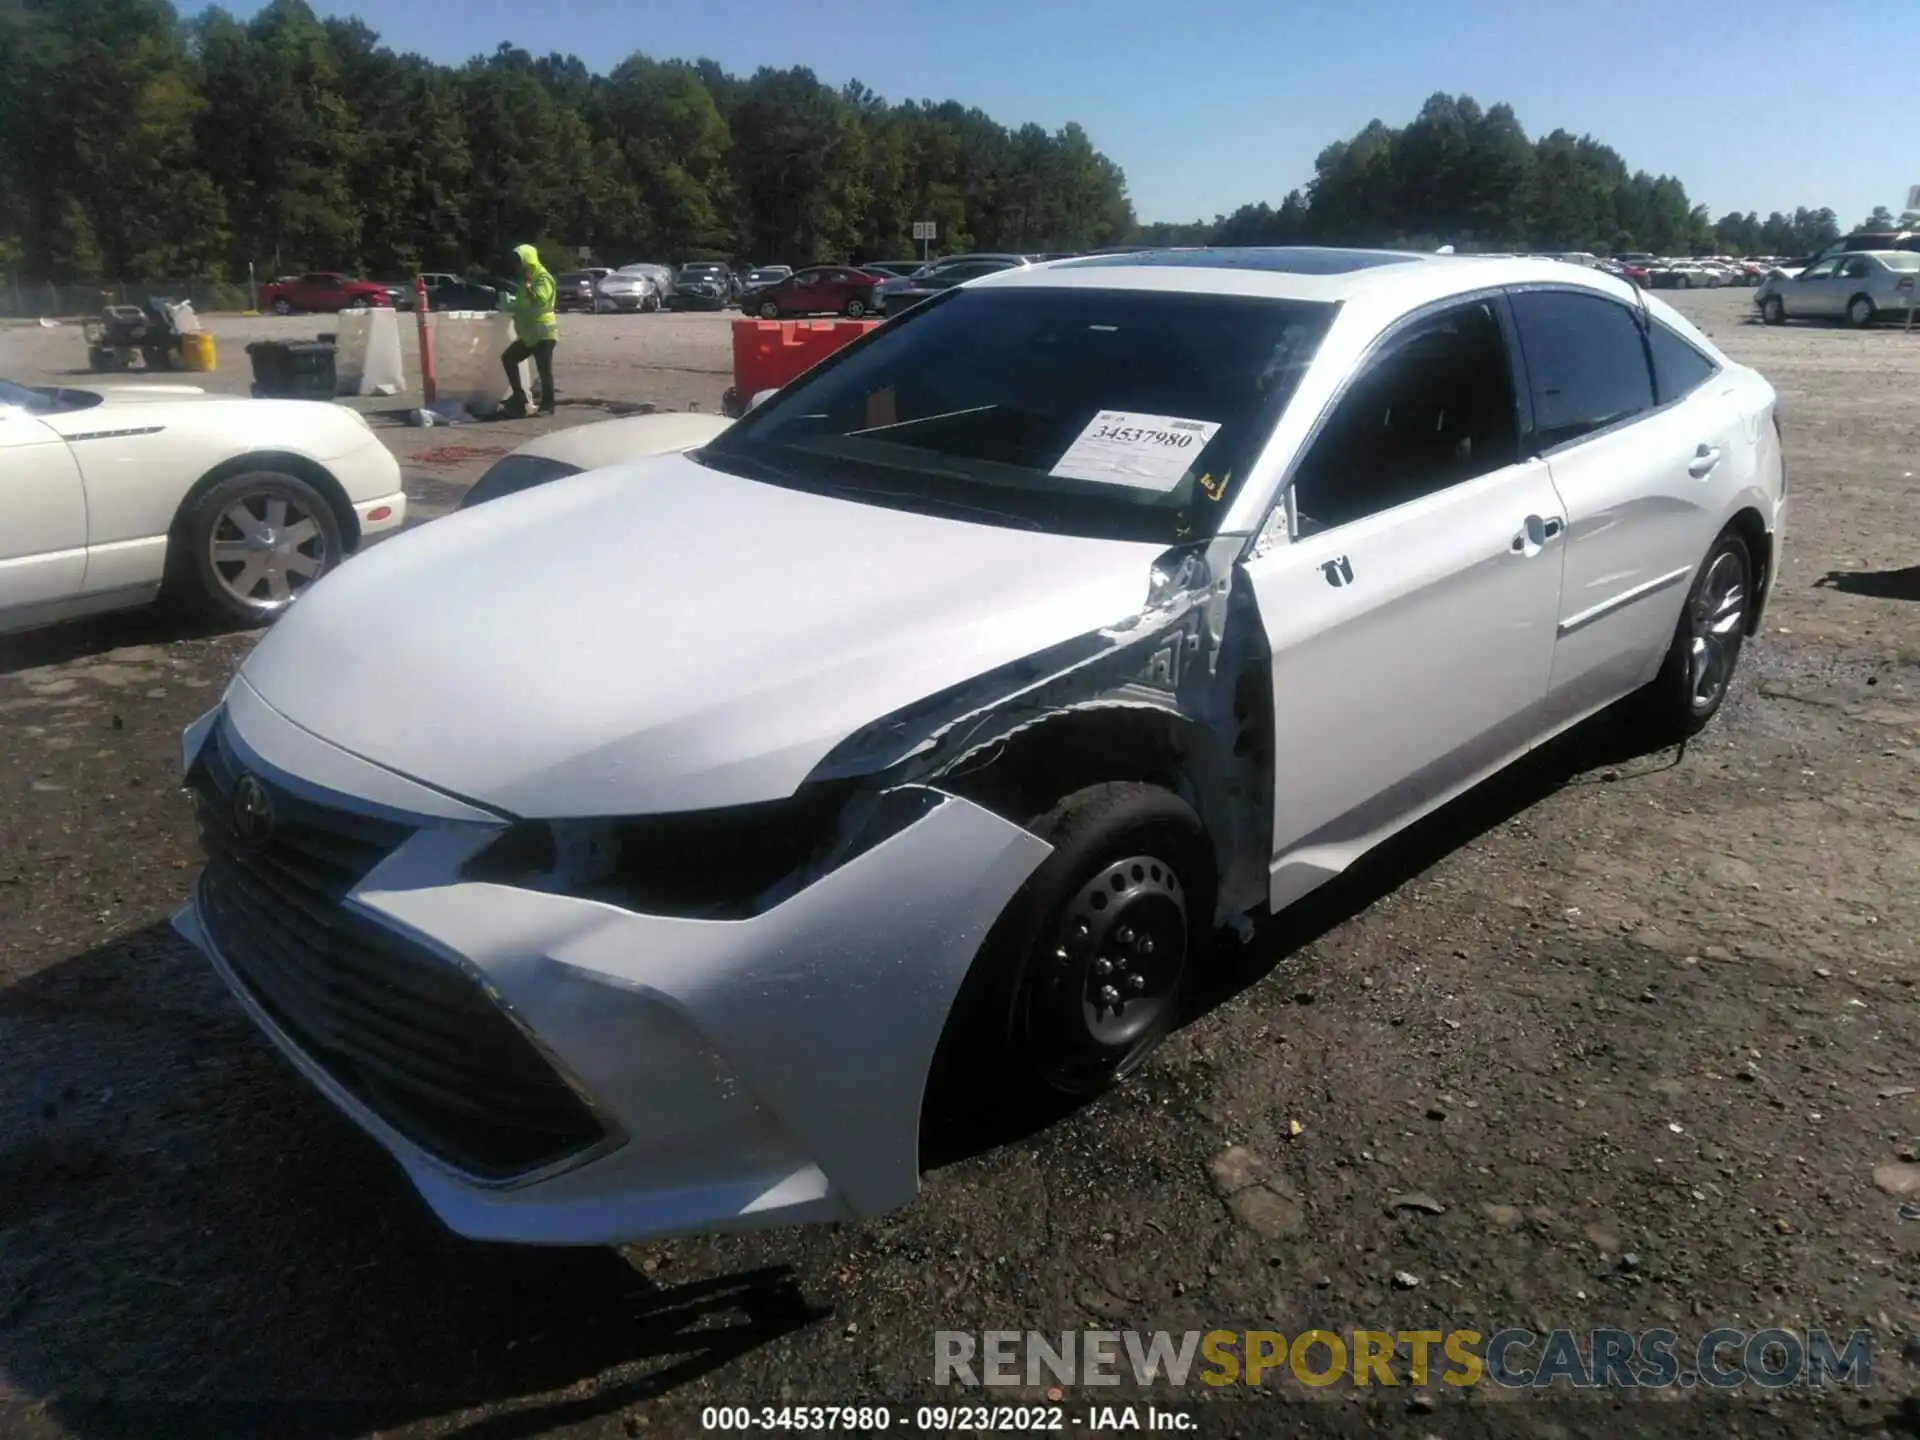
(1587,363)
(1678,368)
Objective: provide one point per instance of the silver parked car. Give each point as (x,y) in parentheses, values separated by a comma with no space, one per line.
(634,287)
(1138,595)
(1858,288)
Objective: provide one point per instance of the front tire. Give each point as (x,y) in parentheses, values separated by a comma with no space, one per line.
(359,302)
(1773,310)
(1085,972)
(283,307)
(1860,312)
(1707,640)
(251,545)
(769,310)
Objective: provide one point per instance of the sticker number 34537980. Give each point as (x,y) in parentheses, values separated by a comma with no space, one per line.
(1142,452)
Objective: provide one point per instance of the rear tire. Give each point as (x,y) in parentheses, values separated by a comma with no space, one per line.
(1707,640)
(856,309)
(1860,312)
(283,307)
(1086,970)
(250,546)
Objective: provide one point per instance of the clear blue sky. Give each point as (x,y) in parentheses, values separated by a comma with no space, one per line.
(1756,105)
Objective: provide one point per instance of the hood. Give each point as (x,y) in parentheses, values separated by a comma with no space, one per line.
(662,637)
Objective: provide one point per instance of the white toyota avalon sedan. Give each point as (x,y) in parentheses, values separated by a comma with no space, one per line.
(700,820)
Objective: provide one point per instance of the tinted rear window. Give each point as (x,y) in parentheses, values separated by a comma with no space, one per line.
(972,403)
(1586,363)
(1678,368)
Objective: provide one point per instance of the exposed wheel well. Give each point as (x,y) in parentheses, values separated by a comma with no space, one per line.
(314,473)
(1748,525)
(1027,772)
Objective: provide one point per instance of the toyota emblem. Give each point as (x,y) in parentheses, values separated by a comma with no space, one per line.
(252,812)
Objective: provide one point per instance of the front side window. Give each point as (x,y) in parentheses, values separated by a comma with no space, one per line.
(1855,268)
(1678,368)
(1112,413)
(1435,410)
(1586,363)
(1823,271)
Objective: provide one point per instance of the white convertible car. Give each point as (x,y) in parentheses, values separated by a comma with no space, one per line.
(699,822)
(235,505)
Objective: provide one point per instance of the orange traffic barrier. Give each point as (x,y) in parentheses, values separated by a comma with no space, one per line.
(769,353)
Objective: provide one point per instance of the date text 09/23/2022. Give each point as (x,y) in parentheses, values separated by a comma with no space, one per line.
(948,1419)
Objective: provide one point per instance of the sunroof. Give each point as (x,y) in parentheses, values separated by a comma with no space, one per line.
(1280,259)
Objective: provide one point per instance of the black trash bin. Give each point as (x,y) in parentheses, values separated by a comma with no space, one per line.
(292,369)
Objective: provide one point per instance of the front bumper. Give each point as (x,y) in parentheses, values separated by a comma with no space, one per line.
(381,517)
(739,1073)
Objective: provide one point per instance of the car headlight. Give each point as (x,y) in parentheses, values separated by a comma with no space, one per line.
(512,473)
(709,864)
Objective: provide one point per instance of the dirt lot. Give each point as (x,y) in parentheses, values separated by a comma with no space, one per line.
(1639,1027)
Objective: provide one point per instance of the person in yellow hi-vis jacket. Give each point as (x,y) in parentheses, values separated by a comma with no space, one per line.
(536,330)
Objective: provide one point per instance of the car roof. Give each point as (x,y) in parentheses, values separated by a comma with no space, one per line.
(1397,279)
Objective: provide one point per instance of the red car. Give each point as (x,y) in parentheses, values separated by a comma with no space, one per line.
(323,290)
(817,290)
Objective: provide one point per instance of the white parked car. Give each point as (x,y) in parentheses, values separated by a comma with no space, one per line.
(579,448)
(236,506)
(699,823)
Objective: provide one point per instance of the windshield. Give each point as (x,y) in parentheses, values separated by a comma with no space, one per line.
(1115,413)
(702,271)
(44,400)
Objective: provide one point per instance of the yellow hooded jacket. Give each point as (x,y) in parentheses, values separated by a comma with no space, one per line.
(533,316)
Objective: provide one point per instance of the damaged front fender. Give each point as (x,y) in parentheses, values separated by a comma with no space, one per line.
(1178,694)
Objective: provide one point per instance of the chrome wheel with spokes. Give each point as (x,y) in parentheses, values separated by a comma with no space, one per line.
(1717,618)
(266,548)
(251,545)
(1700,662)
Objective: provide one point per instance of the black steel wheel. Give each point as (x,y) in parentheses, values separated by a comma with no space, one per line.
(1087,969)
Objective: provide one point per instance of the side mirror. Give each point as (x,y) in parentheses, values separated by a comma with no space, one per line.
(761,398)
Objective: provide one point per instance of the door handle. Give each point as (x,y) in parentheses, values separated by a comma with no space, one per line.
(1535,532)
(1704,460)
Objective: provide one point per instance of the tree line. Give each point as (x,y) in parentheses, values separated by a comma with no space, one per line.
(136,144)
(1469,177)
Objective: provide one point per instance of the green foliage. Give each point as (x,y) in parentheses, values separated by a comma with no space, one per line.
(136,145)
(1459,175)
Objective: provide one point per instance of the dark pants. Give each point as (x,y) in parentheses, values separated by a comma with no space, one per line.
(542,353)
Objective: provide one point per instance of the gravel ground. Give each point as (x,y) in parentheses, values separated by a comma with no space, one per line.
(1631,1031)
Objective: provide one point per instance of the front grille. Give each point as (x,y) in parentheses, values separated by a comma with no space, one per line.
(410,1035)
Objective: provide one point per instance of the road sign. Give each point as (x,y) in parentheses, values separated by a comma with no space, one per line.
(928,230)
(1913,197)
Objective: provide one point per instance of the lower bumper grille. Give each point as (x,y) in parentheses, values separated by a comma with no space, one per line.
(410,1035)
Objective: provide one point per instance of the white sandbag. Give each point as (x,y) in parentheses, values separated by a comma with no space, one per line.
(466,357)
(367,357)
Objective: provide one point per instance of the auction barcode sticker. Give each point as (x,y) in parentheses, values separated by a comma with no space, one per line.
(1143,452)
